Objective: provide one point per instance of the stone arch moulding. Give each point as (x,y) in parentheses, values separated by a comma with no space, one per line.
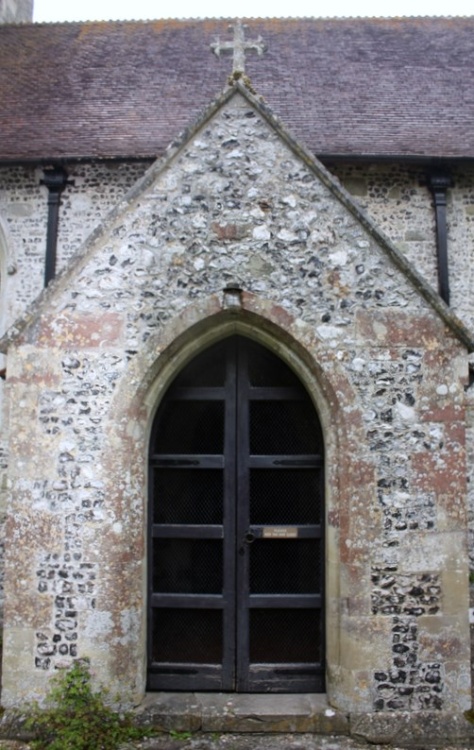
(134,406)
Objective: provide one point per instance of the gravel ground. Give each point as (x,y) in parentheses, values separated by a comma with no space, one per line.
(266,742)
(246,742)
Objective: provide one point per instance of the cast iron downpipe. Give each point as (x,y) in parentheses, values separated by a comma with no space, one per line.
(55,179)
(438,183)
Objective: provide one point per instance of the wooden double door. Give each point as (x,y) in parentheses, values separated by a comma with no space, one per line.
(236,528)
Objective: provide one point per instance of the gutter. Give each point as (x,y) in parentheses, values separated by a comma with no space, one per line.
(326,158)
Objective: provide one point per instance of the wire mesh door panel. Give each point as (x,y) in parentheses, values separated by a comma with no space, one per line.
(279,524)
(236,543)
(191,641)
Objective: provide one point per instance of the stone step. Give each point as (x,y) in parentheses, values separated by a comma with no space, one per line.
(233,713)
(224,712)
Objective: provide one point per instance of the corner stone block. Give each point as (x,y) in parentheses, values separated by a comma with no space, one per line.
(80,331)
(395,328)
(362,653)
(455,588)
(19,682)
(421,729)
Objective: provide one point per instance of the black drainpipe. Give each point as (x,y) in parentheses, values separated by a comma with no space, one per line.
(439,182)
(55,179)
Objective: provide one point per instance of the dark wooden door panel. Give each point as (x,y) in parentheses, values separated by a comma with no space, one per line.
(236,517)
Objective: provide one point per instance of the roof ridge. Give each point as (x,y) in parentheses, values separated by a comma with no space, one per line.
(435,16)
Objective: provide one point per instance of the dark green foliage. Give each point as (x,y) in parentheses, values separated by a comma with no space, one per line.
(469,715)
(175,735)
(78,718)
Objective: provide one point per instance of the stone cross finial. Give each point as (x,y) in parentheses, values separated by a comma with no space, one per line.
(238,47)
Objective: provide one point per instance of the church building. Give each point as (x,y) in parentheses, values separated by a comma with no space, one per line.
(237,318)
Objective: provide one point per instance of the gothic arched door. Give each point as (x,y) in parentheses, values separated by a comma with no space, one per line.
(236,559)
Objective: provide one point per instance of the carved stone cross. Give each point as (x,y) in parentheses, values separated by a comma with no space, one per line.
(238,47)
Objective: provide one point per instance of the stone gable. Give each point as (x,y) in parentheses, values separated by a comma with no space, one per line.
(226,209)
(238,230)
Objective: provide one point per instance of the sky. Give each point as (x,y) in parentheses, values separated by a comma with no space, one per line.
(90,10)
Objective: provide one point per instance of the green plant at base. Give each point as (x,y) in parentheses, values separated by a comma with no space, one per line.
(78,718)
(177,735)
(469,715)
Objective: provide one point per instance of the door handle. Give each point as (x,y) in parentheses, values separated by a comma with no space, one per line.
(247,539)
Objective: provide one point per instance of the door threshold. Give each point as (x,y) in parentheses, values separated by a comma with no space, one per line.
(242,712)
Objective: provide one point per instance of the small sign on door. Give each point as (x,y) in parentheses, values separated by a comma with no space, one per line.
(280,532)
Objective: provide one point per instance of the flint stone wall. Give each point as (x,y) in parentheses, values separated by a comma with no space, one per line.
(398,199)
(235,205)
(395,196)
(93,191)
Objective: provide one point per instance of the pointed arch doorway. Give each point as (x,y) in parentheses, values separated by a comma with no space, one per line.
(236,556)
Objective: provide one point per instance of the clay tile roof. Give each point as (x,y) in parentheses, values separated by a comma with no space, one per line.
(384,87)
